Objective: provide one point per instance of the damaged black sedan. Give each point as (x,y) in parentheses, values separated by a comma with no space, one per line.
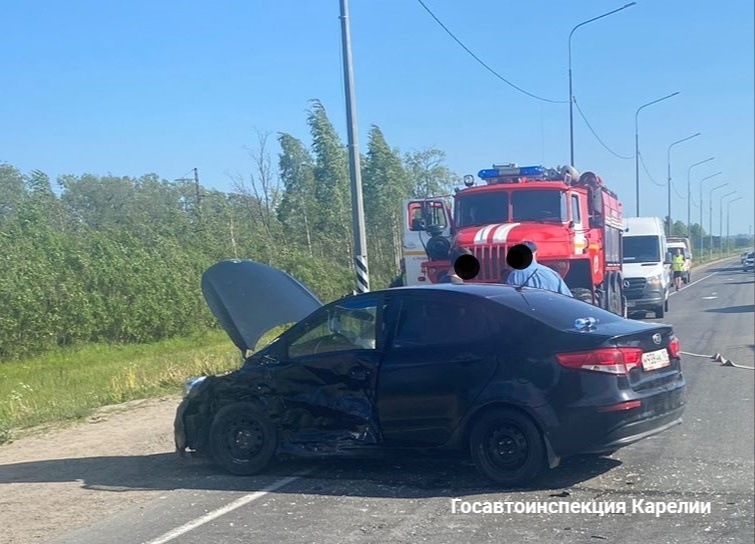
(516,377)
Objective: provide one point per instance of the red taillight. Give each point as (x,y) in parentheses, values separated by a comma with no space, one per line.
(674,348)
(622,406)
(610,360)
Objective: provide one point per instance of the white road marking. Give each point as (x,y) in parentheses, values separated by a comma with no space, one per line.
(209,516)
(693,283)
(709,298)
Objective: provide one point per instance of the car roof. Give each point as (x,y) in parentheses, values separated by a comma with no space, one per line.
(501,292)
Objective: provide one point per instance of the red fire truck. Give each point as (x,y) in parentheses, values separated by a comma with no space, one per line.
(573,218)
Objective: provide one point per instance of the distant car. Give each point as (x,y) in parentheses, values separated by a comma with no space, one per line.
(749,262)
(517,377)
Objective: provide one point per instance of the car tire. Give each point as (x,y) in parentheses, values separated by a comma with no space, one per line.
(660,311)
(580,293)
(242,421)
(507,447)
(665,305)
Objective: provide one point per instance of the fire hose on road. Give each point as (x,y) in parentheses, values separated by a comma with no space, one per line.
(718,358)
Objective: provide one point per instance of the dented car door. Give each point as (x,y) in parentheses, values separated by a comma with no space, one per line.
(326,372)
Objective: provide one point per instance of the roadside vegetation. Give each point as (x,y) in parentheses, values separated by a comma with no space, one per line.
(100,298)
(68,383)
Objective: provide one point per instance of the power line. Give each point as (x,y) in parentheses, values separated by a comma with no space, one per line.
(582,115)
(677,192)
(484,64)
(645,168)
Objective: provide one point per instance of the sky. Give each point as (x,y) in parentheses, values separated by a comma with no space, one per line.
(130,88)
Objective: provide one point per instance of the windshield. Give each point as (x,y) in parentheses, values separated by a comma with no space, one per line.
(482,209)
(641,249)
(528,205)
(539,205)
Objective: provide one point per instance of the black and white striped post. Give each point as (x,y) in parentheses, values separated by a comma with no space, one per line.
(360,238)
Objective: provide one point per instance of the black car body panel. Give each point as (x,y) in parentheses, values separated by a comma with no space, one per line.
(439,357)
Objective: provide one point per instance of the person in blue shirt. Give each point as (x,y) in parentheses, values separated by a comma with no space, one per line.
(538,275)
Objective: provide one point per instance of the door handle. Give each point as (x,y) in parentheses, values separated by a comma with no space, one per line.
(358,373)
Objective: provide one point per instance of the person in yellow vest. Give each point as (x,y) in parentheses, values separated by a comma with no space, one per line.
(678,264)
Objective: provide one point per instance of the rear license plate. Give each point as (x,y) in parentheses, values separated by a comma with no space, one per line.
(654,360)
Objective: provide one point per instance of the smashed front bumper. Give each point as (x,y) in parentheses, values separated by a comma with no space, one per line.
(189,429)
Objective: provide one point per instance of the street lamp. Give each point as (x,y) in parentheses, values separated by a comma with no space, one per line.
(670,223)
(710,218)
(689,196)
(721,219)
(637,145)
(571,94)
(721,228)
(701,205)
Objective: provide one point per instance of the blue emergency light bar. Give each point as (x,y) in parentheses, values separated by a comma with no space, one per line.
(511,172)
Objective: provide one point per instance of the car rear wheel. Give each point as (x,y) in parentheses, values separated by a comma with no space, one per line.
(242,439)
(660,310)
(507,447)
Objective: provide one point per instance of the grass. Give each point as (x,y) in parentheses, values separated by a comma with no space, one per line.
(699,258)
(69,384)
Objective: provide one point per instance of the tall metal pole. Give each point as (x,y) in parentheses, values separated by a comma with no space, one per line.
(721,221)
(360,238)
(668,154)
(710,219)
(637,145)
(689,198)
(721,248)
(701,205)
(571,94)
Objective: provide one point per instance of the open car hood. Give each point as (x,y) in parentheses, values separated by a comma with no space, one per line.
(250,298)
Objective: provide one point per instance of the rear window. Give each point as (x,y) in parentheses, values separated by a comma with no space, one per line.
(556,311)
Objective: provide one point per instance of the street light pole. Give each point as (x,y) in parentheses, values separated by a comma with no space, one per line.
(710,218)
(571,94)
(637,145)
(721,245)
(721,222)
(701,205)
(668,155)
(360,237)
(689,197)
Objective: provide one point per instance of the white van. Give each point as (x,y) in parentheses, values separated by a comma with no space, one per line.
(646,265)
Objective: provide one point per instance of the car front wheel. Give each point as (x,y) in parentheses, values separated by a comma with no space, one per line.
(507,447)
(242,439)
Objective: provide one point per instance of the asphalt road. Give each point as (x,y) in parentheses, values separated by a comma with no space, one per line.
(708,459)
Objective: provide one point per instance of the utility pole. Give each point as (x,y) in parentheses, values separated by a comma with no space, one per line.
(360,237)
(198,197)
(196,186)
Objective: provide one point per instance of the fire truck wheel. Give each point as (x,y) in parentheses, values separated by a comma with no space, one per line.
(585,295)
(618,300)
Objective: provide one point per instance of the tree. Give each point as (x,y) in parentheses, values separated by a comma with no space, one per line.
(12,191)
(298,205)
(386,183)
(332,193)
(429,175)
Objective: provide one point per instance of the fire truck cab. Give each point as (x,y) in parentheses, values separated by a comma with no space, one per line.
(573,218)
